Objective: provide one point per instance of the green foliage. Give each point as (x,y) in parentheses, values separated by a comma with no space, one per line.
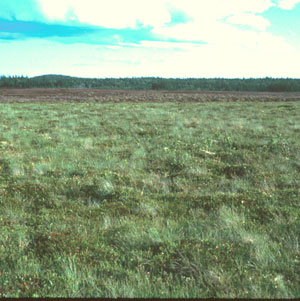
(153,83)
(175,200)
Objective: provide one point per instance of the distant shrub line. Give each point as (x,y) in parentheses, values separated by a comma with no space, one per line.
(153,83)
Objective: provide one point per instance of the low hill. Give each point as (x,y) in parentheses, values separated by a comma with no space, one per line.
(52,77)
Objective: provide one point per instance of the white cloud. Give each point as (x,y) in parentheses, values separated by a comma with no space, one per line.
(220,34)
(214,22)
(210,17)
(257,22)
(207,18)
(228,51)
(211,21)
(287,4)
(110,14)
(215,9)
(156,13)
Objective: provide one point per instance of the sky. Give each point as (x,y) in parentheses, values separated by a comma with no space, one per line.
(141,38)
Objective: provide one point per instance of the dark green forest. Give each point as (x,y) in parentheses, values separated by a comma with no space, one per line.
(154,83)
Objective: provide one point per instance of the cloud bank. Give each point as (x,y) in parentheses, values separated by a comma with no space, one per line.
(196,38)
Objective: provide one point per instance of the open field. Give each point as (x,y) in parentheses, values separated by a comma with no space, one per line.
(160,198)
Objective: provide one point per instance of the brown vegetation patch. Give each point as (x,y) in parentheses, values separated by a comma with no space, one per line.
(88,95)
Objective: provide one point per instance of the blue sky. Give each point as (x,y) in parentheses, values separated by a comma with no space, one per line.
(166,38)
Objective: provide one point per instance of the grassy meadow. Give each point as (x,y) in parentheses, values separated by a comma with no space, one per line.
(150,200)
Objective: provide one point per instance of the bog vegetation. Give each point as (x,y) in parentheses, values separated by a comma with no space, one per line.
(151,83)
(150,200)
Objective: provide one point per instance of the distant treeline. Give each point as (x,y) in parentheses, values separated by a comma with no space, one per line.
(153,83)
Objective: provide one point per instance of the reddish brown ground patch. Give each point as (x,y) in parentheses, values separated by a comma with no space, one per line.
(86,95)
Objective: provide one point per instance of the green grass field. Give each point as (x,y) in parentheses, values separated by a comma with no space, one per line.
(150,200)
